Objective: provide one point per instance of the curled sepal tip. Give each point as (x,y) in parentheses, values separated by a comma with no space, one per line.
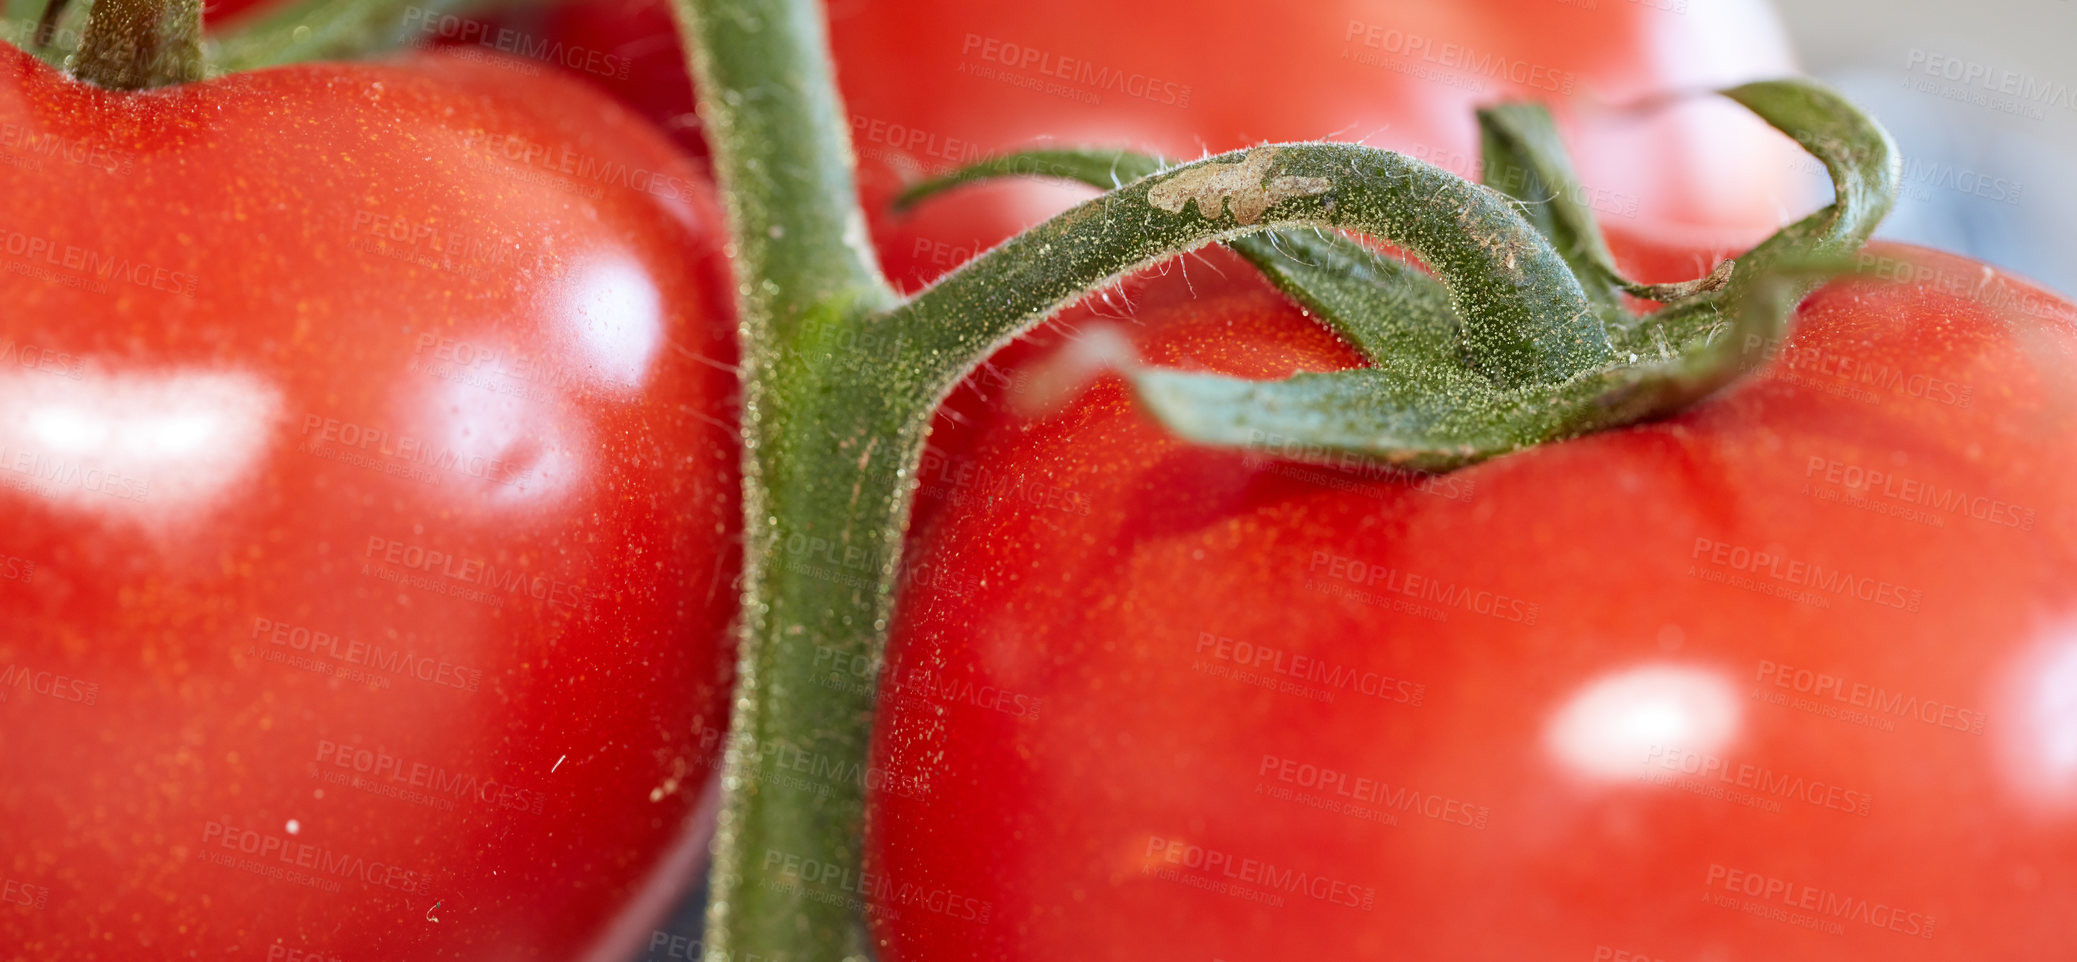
(1402,412)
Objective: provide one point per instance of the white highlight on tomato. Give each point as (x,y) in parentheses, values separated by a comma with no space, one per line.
(2037,742)
(1610,727)
(151,448)
(504,451)
(615,317)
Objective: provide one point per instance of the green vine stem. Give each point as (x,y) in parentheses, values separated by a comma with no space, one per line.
(832,456)
(833,437)
(140,44)
(825,493)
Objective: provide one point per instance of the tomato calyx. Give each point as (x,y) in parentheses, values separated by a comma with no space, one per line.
(1511,342)
(1459,374)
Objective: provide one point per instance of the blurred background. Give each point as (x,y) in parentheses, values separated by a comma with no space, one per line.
(1982,97)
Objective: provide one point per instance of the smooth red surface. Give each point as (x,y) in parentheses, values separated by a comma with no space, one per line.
(1160,701)
(365,501)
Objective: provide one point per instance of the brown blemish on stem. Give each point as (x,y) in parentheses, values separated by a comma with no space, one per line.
(1239,187)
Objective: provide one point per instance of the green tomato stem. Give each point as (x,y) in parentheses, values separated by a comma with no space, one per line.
(140,44)
(825,495)
(769,107)
(820,569)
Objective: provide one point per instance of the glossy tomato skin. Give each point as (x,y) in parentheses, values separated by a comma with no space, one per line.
(932,85)
(1787,676)
(366,504)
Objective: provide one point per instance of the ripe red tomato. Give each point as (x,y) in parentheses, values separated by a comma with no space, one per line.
(368,482)
(1790,676)
(932,85)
